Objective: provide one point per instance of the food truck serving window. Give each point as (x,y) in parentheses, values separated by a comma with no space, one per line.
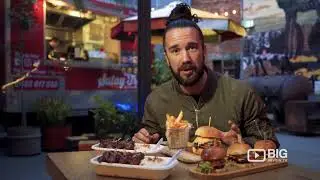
(76,36)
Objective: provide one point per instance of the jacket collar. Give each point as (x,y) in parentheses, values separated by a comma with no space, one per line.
(208,90)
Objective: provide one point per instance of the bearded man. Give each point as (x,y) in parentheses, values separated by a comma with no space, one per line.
(199,92)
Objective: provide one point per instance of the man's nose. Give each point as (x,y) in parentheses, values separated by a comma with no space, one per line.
(185,56)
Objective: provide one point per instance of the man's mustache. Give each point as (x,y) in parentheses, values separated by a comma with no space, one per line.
(186,66)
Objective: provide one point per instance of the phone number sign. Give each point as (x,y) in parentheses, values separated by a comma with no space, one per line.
(39,84)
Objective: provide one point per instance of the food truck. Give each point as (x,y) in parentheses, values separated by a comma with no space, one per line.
(71,39)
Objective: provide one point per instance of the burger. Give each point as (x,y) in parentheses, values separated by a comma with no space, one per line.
(215,155)
(265,145)
(237,152)
(206,136)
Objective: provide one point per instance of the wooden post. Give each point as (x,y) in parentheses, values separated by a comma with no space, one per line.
(144,53)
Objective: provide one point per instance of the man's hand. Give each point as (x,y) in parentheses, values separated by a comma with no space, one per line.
(143,136)
(231,136)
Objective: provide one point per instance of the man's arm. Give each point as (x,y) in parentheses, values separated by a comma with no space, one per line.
(149,132)
(255,124)
(149,121)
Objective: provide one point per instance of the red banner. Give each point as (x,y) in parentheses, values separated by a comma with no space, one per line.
(99,79)
(27,34)
(39,84)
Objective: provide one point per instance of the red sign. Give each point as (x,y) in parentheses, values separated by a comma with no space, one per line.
(99,79)
(39,84)
(27,40)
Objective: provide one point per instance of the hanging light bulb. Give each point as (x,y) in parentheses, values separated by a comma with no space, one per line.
(234,11)
(226,13)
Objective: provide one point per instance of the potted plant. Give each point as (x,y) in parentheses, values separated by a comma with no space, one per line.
(110,122)
(161,72)
(52,112)
(128,123)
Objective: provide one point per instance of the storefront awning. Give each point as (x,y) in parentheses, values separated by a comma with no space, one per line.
(117,32)
(215,28)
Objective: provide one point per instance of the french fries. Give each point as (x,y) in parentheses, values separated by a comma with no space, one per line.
(176,123)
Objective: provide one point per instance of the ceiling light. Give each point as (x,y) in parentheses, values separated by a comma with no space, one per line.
(58,2)
(75,13)
(226,13)
(234,12)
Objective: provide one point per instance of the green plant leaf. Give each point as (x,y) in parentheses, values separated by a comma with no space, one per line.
(52,111)
(108,120)
(161,72)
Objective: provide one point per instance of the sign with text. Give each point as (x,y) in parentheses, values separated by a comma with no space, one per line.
(27,40)
(270,155)
(99,79)
(39,84)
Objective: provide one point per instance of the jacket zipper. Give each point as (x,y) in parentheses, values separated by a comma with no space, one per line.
(196,108)
(197,120)
(197,111)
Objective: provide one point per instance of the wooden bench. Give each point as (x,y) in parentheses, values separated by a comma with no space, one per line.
(85,145)
(73,141)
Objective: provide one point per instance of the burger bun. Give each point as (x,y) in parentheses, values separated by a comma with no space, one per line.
(264,144)
(208,132)
(238,149)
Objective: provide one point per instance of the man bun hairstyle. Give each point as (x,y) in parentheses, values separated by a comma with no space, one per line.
(182,11)
(181,17)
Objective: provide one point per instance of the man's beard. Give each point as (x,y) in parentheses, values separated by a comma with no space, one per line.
(191,80)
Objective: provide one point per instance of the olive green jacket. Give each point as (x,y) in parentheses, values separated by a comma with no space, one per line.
(223,99)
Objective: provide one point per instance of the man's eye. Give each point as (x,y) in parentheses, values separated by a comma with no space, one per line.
(192,48)
(175,51)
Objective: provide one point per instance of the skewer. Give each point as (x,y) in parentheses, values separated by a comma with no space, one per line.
(209,121)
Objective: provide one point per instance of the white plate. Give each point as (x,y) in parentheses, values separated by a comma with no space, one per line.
(148,162)
(148,168)
(138,147)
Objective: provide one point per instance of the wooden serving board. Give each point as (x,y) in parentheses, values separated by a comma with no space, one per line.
(240,171)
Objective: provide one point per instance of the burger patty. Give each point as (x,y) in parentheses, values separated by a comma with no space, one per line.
(205,145)
(238,158)
(218,164)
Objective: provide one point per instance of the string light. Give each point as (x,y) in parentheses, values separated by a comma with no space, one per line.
(234,11)
(226,13)
(216,13)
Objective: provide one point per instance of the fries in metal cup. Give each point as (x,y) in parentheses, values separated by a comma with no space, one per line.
(177,131)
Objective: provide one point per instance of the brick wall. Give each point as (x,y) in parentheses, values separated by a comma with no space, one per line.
(221,6)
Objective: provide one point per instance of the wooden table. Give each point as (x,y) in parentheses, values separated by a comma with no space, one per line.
(76,165)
